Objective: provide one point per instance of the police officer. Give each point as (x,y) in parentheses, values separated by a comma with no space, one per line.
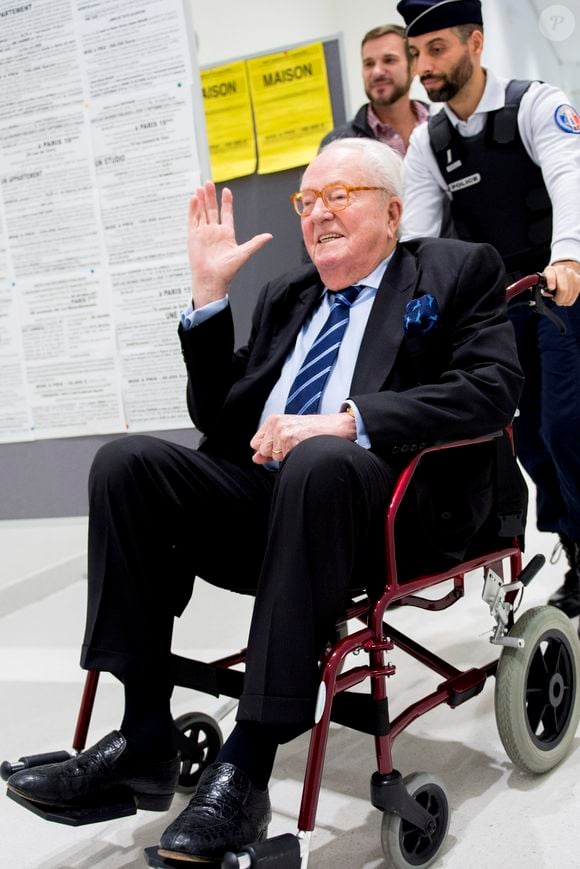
(507,157)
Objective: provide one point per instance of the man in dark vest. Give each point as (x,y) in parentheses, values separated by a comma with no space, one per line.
(390,116)
(506,155)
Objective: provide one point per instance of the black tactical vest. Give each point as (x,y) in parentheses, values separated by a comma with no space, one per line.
(498,193)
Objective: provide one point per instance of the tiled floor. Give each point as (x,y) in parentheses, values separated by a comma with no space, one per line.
(500,817)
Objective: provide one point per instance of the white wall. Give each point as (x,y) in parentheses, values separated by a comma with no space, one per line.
(515,46)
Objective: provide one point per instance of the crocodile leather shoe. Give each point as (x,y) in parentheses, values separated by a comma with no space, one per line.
(102,769)
(226,813)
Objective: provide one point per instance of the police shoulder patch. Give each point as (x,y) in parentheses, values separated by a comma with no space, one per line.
(567,118)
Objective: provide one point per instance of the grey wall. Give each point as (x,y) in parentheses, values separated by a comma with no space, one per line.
(48,478)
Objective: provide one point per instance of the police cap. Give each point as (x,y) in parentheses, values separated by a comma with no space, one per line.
(424,16)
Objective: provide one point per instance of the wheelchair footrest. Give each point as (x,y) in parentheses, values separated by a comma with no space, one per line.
(465,686)
(153,859)
(78,816)
(280,852)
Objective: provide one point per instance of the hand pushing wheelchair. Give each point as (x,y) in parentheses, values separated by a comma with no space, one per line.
(537,701)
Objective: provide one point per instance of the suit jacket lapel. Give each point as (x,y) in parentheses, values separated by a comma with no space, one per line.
(384,331)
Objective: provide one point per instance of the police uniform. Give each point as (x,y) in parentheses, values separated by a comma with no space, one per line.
(511,173)
(546,144)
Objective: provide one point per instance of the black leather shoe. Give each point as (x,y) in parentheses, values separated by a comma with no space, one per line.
(567,597)
(567,600)
(226,813)
(102,769)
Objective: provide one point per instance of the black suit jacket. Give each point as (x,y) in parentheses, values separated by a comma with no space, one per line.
(462,379)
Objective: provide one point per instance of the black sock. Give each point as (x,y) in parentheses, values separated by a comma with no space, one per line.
(252,748)
(147,723)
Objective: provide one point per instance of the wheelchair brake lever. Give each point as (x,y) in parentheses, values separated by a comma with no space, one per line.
(494,594)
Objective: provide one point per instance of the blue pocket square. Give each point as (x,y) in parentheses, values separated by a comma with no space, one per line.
(421,316)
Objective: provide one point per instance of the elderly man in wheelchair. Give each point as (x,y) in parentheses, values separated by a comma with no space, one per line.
(376,351)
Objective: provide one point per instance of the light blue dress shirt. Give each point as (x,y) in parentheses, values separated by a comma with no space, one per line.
(339,380)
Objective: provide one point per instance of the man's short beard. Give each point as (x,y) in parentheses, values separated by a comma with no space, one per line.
(453,82)
(398,92)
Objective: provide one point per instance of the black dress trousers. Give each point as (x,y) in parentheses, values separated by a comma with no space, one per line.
(298,539)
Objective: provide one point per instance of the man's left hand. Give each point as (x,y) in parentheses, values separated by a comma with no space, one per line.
(282,431)
(563,279)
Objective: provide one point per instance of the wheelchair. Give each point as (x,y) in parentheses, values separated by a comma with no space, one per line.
(537,700)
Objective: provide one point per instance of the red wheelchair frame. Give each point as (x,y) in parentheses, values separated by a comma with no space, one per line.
(421,830)
(376,638)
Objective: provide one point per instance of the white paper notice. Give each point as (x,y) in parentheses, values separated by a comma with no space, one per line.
(48,191)
(133,45)
(146,172)
(3,253)
(98,157)
(15,420)
(39,57)
(68,344)
(147,302)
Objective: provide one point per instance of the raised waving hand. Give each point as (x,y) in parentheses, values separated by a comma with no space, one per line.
(215,257)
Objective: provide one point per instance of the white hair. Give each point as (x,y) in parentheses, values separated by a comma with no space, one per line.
(383,164)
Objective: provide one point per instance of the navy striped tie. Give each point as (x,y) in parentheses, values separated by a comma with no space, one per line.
(306,391)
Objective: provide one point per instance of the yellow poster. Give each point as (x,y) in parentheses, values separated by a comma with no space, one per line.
(228,118)
(292,110)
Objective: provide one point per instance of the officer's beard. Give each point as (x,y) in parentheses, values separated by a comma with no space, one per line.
(451,83)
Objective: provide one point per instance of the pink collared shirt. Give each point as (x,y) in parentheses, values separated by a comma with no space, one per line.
(387,135)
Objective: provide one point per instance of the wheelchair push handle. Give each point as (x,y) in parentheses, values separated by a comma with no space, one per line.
(535,281)
(28,761)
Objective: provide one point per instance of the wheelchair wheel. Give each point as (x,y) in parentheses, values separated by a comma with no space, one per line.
(537,700)
(404,845)
(199,741)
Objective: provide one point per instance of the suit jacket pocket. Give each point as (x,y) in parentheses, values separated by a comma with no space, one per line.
(425,357)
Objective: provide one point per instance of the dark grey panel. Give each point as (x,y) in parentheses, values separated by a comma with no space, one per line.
(48,478)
